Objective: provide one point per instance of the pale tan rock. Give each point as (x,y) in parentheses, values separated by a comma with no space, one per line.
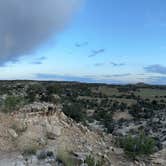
(159,161)
(13,133)
(57,130)
(52,131)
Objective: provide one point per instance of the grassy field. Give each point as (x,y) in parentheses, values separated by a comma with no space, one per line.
(151,93)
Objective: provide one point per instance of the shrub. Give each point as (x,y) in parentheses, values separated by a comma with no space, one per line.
(44,154)
(31,150)
(34,92)
(138,145)
(65,158)
(52,89)
(90,160)
(105,117)
(11,103)
(74,111)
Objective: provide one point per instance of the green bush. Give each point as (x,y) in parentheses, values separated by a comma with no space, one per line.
(11,103)
(31,150)
(138,145)
(74,111)
(105,117)
(90,160)
(65,158)
(34,92)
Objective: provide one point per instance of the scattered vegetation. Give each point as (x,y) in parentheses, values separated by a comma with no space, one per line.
(65,158)
(91,161)
(44,154)
(12,103)
(138,145)
(30,150)
(74,111)
(143,102)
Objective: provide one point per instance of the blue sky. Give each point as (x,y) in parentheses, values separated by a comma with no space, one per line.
(111,41)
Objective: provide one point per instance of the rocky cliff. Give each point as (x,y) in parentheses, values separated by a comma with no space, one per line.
(34,138)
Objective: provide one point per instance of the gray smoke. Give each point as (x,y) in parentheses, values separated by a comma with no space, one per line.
(26,24)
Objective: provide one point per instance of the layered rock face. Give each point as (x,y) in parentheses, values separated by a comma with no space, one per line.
(35,138)
(23,133)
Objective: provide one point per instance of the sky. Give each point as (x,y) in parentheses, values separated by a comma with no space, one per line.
(108,41)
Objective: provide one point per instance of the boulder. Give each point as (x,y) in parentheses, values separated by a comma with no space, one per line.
(12,133)
(53,131)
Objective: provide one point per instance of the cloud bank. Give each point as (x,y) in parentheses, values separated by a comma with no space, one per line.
(26,24)
(85,78)
(155,69)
